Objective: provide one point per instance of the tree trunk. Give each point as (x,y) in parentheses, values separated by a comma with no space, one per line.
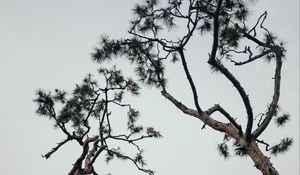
(261,161)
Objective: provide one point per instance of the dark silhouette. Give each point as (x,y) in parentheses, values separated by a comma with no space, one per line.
(232,40)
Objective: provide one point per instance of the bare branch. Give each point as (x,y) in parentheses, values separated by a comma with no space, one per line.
(263,17)
(216,31)
(241,91)
(264,143)
(274,103)
(219,126)
(260,118)
(53,150)
(131,141)
(194,23)
(263,53)
(227,115)
(191,82)
(85,121)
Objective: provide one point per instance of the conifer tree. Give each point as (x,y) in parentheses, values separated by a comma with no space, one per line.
(234,41)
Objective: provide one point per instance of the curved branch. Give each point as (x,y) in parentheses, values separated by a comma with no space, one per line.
(212,60)
(242,93)
(274,104)
(263,17)
(264,143)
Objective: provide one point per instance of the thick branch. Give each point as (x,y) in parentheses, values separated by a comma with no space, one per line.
(226,114)
(227,73)
(242,93)
(85,149)
(261,161)
(219,126)
(91,158)
(97,153)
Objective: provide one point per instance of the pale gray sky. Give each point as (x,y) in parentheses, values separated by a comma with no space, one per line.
(47,44)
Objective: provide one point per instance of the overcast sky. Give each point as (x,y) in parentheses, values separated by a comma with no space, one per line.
(47,44)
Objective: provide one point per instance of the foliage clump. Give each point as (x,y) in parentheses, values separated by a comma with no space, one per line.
(76,114)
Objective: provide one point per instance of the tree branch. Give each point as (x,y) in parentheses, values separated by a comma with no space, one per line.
(85,121)
(189,77)
(263,17)
(264,143)
(215,31)
(242,93)
(205,118)
(94,154)
(85,149)
(131,141)
(274,103)
(187,37)
(212,60)
(150,172)
(217,107)
(53,150)
(252,58)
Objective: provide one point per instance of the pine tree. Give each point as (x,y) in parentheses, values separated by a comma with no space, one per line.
(149,50)
(225,21)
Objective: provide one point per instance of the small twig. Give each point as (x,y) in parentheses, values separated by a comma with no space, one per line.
(264,143)
(264,15)
(203,127)
(260,119)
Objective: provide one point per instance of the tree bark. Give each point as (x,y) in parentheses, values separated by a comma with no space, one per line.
(260,160)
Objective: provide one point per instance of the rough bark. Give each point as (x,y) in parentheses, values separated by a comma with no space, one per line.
(260,160)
